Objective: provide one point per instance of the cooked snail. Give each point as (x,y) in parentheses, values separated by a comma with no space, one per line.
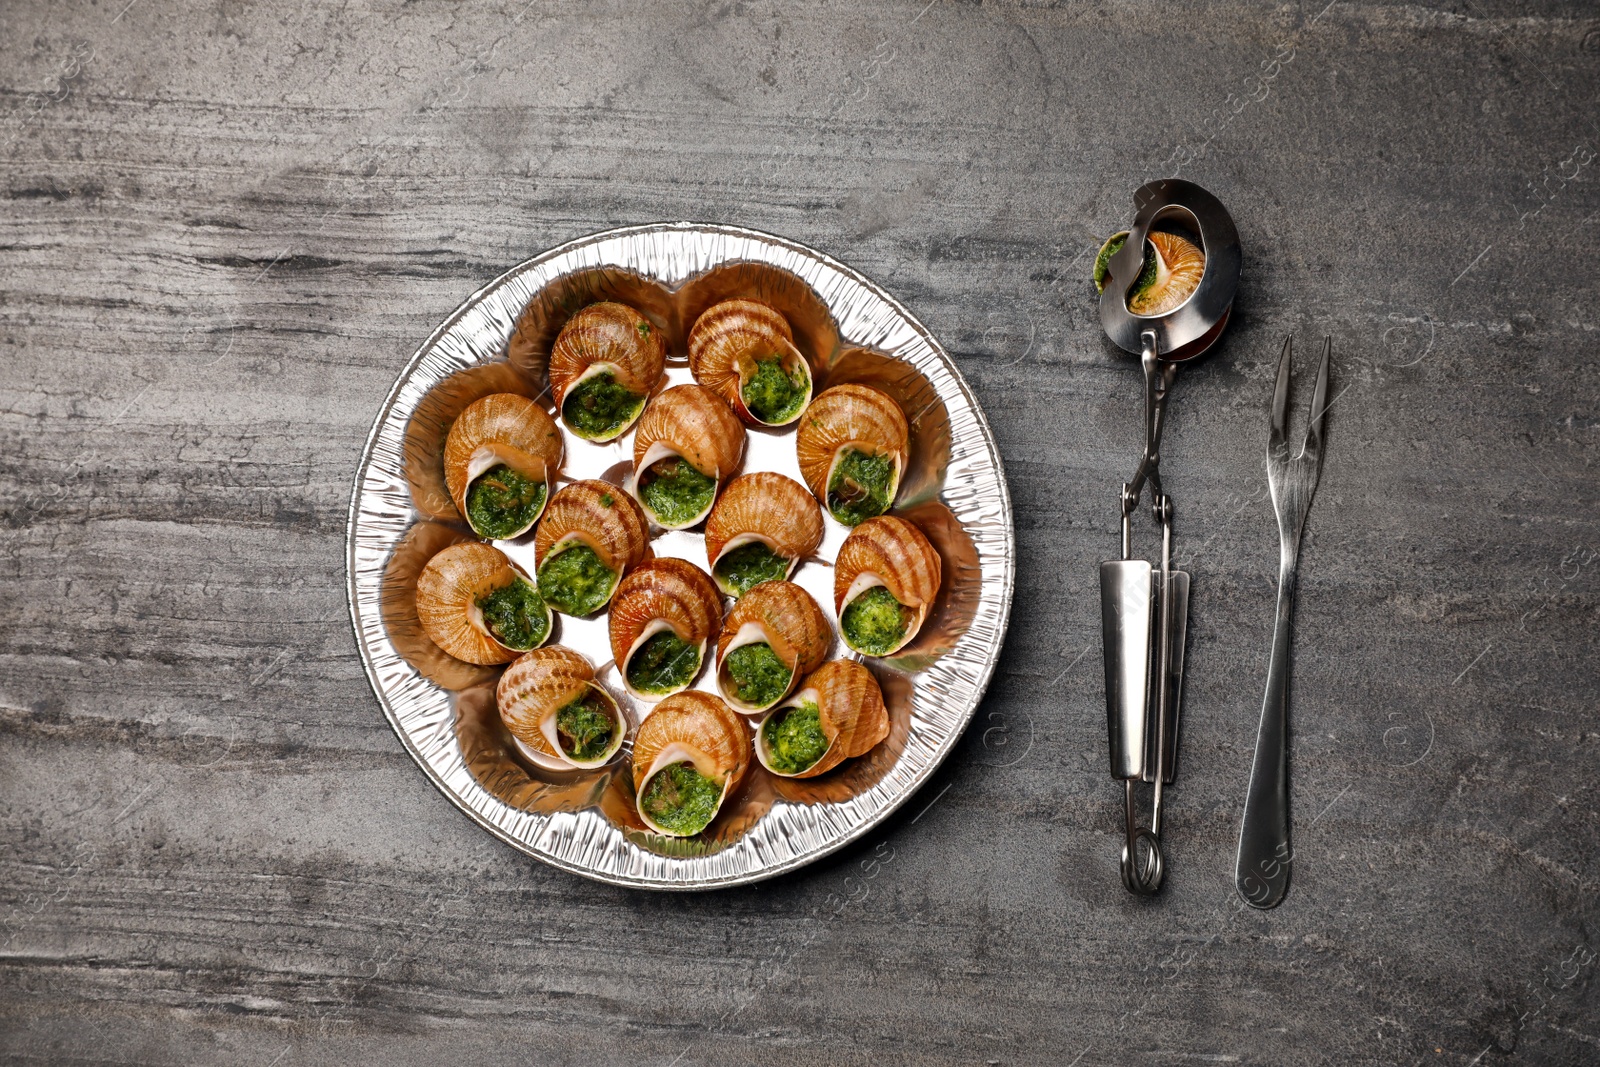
(744,351)
(592,534)
(478,607)
(499,459)
(774,635)
(1173,266)
(662,617)
(836,714)
(558,715)
(884,581)
(603,365)
(763,524)
(852,449)
(689,441)
(690,753)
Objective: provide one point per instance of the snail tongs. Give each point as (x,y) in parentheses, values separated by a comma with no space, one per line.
(1167,288)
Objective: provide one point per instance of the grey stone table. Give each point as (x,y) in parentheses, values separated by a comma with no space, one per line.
(228,225)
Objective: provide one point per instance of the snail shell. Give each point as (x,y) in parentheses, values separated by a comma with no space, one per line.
(844,418)
(784,616)
(891,552)
(694,424)
(501,428)
(725,345)
(766,508)
(601,516)
(448,591)
(850,709)
(606,338)
(696,728)
(533,691)
(1173,267)
(658,595)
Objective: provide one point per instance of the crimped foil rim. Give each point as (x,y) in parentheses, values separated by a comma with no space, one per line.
(946,695)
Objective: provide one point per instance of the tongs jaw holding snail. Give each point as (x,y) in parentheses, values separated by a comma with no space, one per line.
(1167,295)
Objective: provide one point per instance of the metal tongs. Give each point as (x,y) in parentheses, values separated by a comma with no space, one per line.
(1144,611)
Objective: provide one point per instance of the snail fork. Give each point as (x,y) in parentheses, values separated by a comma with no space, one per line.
(1265,856)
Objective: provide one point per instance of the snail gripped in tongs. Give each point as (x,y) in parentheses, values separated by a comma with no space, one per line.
(1144,610)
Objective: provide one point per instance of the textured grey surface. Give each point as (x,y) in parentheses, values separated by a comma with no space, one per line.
(226,226)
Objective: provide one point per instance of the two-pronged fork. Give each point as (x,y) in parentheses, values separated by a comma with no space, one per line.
(1265,857)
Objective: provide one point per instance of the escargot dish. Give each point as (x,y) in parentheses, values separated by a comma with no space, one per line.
(884,581)
(762,526)
(690,753)
(499,458)
(836,714)
(474,603)
(591,535)
(744,351)
(664,614)
(603,365)
(852,448)
(558,715)
(1173,266)
(689,441)
(773,636)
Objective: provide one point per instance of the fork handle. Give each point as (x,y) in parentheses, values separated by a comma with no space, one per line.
(1265,857)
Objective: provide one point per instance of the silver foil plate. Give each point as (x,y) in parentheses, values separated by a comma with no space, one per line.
(443,709)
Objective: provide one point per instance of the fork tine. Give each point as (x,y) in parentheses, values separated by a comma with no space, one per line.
(1280,397)
(1319,401)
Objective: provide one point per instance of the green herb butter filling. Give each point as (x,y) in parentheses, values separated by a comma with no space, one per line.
(600,407)
(515,615)
(586,727)
(502,502)
(675,492)
(748,566)
(875,622)
(794,738)
(1102,266)
(663,664)
(759,677)
(859,486)
(574,581)
(680,799)
(772,394)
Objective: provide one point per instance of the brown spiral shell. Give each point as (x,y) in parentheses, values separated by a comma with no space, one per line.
(695,423)
(794,626)
(898,553)
(674,591)
(600,515)
(447,600)
(703,722)
(500,428)
(851,709)
(539,684)
(849,414)
(611,333)
(726,340)
(776,509)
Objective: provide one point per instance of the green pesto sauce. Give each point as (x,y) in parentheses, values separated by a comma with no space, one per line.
(515,615)
(663,663)
(675,492)
(585,727)
(794,738)
(1102,266)
(773,394)
(875,622)
(748,566)
(501,502)
(759,677)
(859,488)
(574,581)
(681,799)
(599,406)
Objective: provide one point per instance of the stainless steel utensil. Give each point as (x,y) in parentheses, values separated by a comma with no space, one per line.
(1265,856)
(1144,612)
